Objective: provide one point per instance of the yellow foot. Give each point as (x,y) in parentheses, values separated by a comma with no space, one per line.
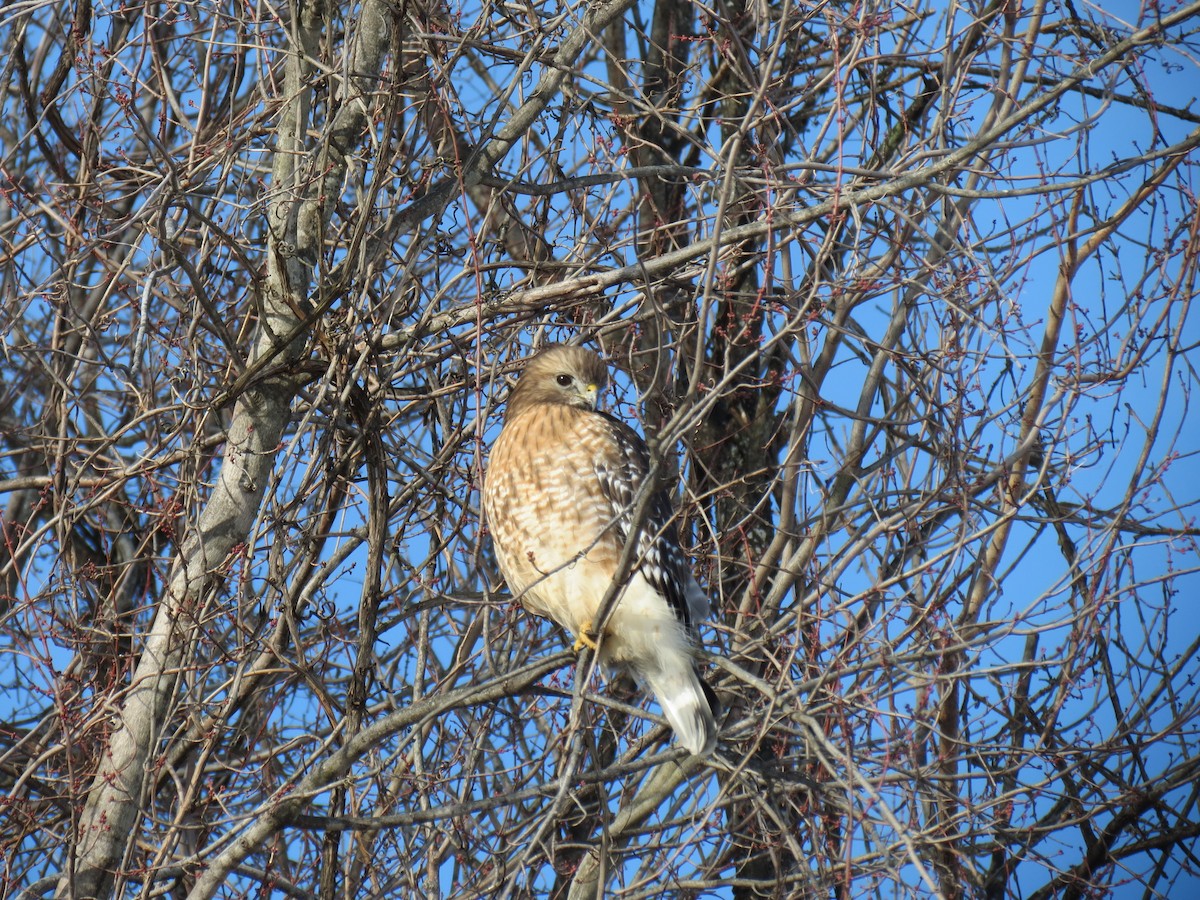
(585,638)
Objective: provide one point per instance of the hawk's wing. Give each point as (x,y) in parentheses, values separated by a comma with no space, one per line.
(659,557)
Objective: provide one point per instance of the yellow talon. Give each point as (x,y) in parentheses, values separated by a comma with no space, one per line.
(585,638)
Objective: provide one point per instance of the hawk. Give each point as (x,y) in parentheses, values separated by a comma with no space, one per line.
(560,492)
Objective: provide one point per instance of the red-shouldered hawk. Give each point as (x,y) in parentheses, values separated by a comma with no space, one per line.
(559,496)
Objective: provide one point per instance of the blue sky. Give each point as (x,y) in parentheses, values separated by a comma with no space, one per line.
(1097,470)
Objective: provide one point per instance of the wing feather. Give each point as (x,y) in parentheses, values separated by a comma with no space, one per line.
(660,559)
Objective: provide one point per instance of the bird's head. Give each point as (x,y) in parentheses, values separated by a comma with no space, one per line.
(571,376)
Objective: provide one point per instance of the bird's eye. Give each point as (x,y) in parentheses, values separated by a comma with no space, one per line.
(564,380)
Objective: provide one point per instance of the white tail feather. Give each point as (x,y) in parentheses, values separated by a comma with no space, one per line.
(678,691)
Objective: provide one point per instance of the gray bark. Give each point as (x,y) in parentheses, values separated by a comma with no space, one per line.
(261,412)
